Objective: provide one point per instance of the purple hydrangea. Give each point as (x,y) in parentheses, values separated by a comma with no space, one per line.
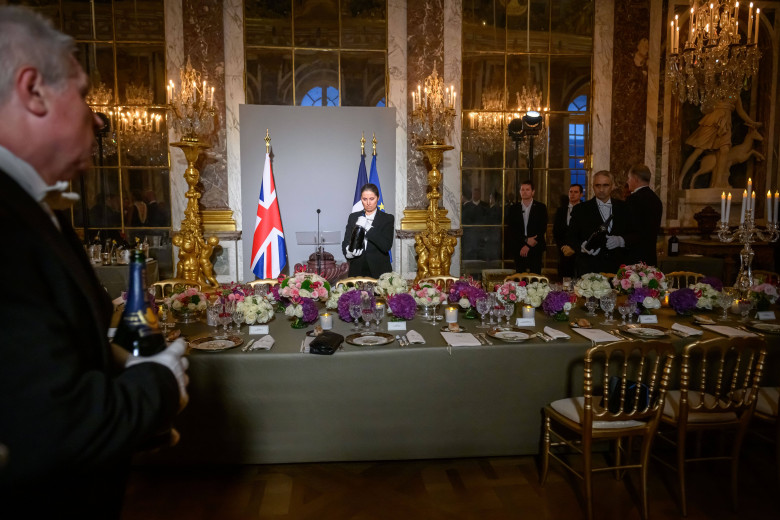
(683,300)
(403,305)
(639,295)
(714,282)
(310,310)
(463,289)
(554,302)
(347,299)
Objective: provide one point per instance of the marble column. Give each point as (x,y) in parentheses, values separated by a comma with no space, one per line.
(602,83)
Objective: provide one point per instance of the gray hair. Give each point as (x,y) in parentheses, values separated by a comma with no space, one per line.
(641,172)
(27,39)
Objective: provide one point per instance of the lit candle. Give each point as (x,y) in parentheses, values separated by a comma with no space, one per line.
(326,321)
(412,100)
(168,94)
(750,22)
(677,40)
(454,97)
(451,314)
(671,36)
(753,204)
(749,192)
(728,208)
(757,25)
(769,206)
(723,206)
(745,202)
(736,12)
(528,311)
(777,200)
(211,102)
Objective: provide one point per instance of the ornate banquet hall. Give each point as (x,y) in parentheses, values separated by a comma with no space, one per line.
(222,116)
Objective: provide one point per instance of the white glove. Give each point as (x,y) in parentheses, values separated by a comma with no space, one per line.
(588,251)
(172,358)
(361,221)
(615,242)
(352,254)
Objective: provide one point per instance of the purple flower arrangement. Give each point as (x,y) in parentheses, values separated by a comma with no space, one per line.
(402,305)
(713,282)
(463,289)
(310,310)
(347,299)
(555,302)
(683,301)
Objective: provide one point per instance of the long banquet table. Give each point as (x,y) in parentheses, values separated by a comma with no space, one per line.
(383,402)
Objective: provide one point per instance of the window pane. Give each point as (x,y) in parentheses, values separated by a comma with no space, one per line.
(483,26)
(314,69)
(362,78)
(102,198)
(572,26)
(569,77)
(139,21)
(529,71)
(559,131)
(148,196)
(268,23)
(269,77)
(79,23)
(526,34)
(483,82)
(141,74)
(98,63)
(316,23)
(364,24)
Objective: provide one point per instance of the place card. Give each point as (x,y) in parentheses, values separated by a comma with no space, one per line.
(257,330)
(648,318)
(396,325)
(765,315)
(525,322)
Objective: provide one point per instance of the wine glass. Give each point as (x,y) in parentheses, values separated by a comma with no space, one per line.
(355,311)
(725,299)
(623,309)
(212,312)
(435,317)
(483,306)
(591,304)
(366,309)
(509,310)
(164,319)
(493,301)
(238,318)
(607,303)
(631,311)
(226,317)
(379,313)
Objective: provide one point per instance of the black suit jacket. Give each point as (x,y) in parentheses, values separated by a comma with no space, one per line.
(69,417)
(560,230)
(646,211)
(585,219)
(537,226)
(375,260)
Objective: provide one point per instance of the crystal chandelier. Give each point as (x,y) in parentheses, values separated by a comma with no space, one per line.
(485,132)
(192,105)
(433,110)
(715,63)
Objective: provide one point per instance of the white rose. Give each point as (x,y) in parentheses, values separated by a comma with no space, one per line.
(289,310)
(464,303)
(651,303)
(535,301)
(567,306)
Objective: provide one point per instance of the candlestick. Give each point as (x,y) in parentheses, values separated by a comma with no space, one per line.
(745,202)
(728,209)
(777,200)
(757,26)
(769,206)
(723,206)
(750,22)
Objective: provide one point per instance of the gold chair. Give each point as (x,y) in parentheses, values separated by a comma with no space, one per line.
(719,381)
(491,277)
(270,282)
(608,276)
(682,279)
(164,288)
(763,276)
(624,387)
(445,282)
(526,277)
(355,281)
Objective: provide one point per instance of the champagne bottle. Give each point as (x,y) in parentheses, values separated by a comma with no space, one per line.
(138,330)
(599,237)
(674,245)
(357,240)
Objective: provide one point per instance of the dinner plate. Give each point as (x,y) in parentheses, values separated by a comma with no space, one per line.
(370,339)
(646,331)
(770,328)
(575,325)
(212,344)
(510,334)
(460,328)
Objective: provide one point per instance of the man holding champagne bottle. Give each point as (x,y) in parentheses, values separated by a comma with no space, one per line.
(597,229)
(73,408)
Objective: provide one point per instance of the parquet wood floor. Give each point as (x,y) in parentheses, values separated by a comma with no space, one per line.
(467,489)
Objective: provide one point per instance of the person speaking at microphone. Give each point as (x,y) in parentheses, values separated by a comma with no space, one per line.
(368,237)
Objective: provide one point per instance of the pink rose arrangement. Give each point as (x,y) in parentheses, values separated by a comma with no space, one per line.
(511,292)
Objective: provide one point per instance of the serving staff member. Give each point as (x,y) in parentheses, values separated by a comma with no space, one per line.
(373,258)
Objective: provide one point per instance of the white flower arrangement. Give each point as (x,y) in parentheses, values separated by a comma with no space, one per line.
(335,294)
(390,284)
(707,296)
(294,310)
(426,294)
(190,299)
(592,285)
(651,303)
(257,309)
(536,293)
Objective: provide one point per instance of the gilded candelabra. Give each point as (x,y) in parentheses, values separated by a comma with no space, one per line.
(192,108)
(433,114)
(747,233)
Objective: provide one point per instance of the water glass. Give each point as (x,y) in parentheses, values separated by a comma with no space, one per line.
(631,311)
(483,306)
(509,310)
(238,318)
(355,311)
(725,299)
(212,315)
(744,305)
(591,304)
(607,303)
(623,309)
(379,313)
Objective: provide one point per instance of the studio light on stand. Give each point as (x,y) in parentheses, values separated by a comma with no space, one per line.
(529,126)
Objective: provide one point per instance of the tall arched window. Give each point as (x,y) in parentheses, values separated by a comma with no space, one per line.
(577,137)
(321,97)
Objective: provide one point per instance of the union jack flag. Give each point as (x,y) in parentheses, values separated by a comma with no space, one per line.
(268,253)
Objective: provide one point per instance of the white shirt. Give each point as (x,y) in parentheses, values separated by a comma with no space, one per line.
(605,208)
(30,180)
(526,214)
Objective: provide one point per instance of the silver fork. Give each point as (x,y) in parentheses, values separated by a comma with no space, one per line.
(484,337)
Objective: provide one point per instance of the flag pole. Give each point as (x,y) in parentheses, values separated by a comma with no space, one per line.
(373,142)
(267,141)
(362,143)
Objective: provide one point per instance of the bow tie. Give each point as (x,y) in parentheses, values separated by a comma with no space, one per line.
(606,204)
(57,198)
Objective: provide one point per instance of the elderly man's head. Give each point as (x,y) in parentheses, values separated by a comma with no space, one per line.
(603,184)
(639,175)
(44,118)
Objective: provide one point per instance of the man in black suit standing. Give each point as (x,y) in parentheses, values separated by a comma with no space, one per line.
(566,264)
(646,210)
(73,408)
(527,226)
(608,254)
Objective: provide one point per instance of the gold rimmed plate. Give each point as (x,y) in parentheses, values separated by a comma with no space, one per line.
(460,328)
(585,325)
(510,334)
(762,326)
(370,339)
(212,344)
(646,331)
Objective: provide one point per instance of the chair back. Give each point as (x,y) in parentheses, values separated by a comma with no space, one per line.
(721,375)
(356,281)
(526,277)
(608,276)
(444,282)
(270,282)
(492,277)
(164,288)
(682,279)
(763,276)
(626,381)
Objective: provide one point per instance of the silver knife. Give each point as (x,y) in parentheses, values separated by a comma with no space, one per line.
(484,336)
(246,347)
(400,340)
(406,340)
(480,339)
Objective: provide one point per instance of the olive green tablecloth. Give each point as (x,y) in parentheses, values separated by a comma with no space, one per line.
(115,277)
(374,403)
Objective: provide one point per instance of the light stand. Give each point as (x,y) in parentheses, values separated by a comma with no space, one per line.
(318,252)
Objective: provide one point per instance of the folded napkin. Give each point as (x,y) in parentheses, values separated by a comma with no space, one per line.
(731,332)
(415,337)
(597,335)
(305,344)
(264,343)
(688,331)
(555,333)
(460,339)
